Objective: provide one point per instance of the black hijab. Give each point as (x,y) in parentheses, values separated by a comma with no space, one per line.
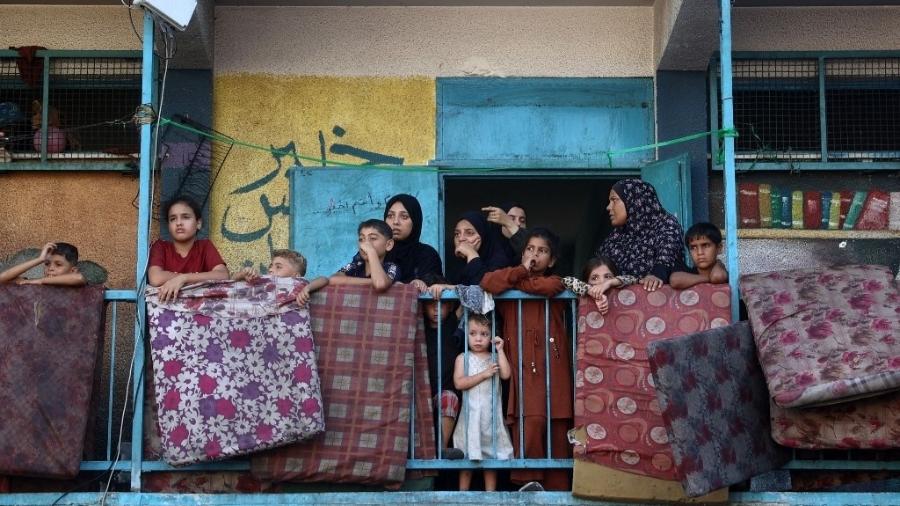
(491,254)
(415,259)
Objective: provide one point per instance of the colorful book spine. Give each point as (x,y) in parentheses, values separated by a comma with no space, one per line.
(894,219)
(765,206)
(834,214)
(874,213)
(826,209)
(786,209)
(859,198)
(748,205)
(797,209)
(812,209)
(776,207)
(846,200)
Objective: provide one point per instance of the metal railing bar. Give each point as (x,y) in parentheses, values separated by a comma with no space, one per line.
(547,343)
(112,379)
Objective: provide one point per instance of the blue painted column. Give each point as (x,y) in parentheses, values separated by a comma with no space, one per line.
(143,250)
(731,239)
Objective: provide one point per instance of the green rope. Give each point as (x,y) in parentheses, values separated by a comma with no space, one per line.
(721,133)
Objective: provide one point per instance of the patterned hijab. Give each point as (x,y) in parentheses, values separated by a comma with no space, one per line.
(650,237)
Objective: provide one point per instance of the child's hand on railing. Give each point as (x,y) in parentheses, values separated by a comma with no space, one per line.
(651,283)
(303,296)
(498,343)
(437,289)
(420,285)
(597,291)
(492,370)
(602,304)
(246,274)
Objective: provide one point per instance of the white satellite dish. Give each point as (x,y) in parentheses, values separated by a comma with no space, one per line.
(174,12)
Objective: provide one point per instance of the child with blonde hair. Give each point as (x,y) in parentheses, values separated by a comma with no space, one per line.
(480,431)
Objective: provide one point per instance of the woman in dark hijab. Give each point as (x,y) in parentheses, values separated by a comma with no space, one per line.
(415,259)
(480,245)
(647,240)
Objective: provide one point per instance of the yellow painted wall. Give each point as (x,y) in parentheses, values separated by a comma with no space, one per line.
(390,116)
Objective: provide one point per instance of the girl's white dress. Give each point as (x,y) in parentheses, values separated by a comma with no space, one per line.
(475,418)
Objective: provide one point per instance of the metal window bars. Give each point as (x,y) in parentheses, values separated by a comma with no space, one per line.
(814,109)
(74,106)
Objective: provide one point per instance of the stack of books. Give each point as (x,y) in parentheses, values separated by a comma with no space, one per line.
(767,206)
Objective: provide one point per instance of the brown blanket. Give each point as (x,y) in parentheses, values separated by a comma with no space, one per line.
(50,343)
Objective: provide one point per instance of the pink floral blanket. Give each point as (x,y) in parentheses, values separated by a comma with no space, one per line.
(234,369)
(826,336)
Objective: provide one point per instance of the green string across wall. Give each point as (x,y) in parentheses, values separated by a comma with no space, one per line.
(722,133)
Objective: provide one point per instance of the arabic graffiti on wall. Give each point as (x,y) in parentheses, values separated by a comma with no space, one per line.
(354,120)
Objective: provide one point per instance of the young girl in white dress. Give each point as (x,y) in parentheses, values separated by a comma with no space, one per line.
(481,418)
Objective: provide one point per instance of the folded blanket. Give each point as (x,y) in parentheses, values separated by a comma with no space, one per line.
(716,407)
(615,399)
(50,347)
(234,369)
(368,345)
(872,423)
(826,335)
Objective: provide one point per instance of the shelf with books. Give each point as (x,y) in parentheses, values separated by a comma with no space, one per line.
(784,211)
(788,233)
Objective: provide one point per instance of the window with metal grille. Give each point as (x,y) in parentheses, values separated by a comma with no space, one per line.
(813,110)
(69,106)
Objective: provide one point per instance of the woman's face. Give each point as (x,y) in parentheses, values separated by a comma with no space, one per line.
(616,208)
(517,215)
(465,232)
(398,219)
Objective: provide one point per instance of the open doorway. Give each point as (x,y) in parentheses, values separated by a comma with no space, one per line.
(572,207)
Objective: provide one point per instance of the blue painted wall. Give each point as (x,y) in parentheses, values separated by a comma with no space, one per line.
(330,203)
(543,121)
(188,93)
(682,109)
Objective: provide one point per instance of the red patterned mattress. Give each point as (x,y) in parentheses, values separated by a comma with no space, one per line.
(50,343)
(615,400)
(369,346)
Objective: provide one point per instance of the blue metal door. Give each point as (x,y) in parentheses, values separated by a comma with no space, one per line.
(672,180)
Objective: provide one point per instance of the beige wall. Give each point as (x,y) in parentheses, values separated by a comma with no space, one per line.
(816,29)
(436,41)
(665,13)
(68,27)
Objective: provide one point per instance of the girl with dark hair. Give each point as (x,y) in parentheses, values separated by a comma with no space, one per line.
(646,241)
(185,259)
(599,275)
(533,344)
(415,259)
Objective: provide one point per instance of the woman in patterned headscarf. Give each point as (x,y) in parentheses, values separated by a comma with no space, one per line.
(647,240)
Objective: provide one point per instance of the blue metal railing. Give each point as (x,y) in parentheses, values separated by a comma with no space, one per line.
(854,460)
(515,463)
